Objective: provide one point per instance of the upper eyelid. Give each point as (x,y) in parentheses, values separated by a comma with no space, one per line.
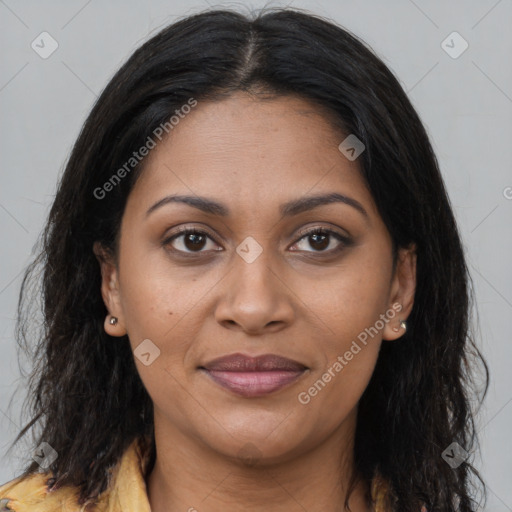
(312,229)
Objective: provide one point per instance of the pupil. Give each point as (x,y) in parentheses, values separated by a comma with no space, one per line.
(323,243)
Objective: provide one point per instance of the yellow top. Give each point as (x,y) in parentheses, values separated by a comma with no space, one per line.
(125,493)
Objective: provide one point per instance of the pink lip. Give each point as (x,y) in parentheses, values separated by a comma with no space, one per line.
(253,376)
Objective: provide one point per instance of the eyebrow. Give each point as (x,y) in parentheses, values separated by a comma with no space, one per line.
(288,209)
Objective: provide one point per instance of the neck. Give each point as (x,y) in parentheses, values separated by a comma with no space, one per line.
(189,476)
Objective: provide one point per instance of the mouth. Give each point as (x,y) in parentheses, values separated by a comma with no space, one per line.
(253,376)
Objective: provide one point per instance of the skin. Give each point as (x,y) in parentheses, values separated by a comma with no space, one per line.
(293,300)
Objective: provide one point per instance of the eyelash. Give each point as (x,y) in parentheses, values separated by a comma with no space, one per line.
(183,232)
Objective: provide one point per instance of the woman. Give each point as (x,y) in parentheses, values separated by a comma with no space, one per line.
(255,294)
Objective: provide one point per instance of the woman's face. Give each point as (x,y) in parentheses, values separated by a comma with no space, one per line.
(252,281)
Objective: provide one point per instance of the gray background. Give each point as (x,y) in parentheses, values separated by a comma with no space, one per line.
(465,103)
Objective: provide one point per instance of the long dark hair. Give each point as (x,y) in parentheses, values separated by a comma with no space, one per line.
(85,393)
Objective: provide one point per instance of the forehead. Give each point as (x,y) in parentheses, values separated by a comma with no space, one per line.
(252,150)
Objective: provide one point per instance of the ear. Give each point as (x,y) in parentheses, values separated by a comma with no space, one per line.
(110,290)
(403,288)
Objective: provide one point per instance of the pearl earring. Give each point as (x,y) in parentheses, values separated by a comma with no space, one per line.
(113,320)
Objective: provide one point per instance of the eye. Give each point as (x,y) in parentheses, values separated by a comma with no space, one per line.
(322,240)
(190,240)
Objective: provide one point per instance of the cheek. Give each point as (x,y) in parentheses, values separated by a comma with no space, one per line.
(348,308)
(155,295)
(166,306)
(350,299)
(346,352)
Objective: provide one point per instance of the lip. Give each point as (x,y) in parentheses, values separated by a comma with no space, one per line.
(253,376)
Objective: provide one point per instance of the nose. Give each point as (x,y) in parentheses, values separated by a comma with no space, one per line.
(255,299)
